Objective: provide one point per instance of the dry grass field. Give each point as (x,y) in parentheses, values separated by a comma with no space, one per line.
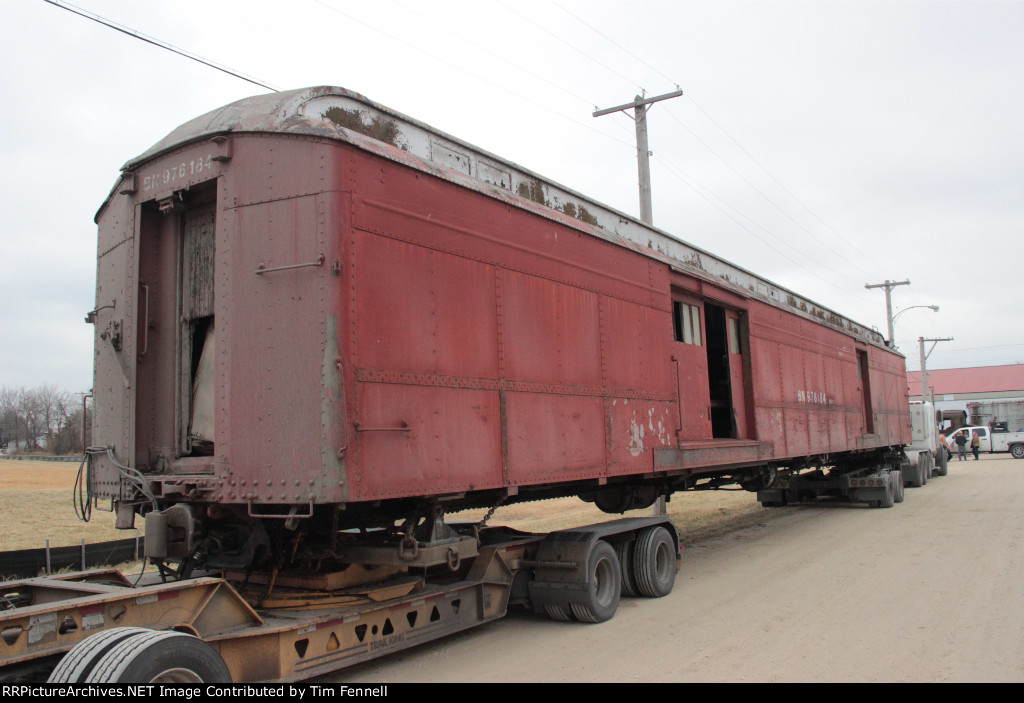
(36,505)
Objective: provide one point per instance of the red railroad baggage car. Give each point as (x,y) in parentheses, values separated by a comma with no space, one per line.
(313,312)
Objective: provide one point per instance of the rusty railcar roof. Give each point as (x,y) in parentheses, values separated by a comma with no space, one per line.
(338,114)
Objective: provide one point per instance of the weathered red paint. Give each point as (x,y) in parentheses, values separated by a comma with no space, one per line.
(425,333)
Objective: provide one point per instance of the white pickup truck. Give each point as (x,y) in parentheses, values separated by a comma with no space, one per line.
(992,439)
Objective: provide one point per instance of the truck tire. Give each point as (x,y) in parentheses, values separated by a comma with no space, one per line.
(942,466)
(604,585)
(897,486)
(160,657)
(888,500)
(624,551)
(654,562)
(78,663)
(1017,451)
(913,474)
(557,612)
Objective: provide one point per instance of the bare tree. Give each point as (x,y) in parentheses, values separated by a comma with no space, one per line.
(11,419)
(43,417)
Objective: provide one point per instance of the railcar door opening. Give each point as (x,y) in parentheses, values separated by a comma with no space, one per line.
(725,366)
(864,377)
(196,374)
(174,389)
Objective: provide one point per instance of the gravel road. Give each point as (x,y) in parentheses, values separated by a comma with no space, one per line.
(930,590)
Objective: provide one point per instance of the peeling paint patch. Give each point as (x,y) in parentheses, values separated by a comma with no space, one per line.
(380,128)
(577,212)
(636,437)
(648,427)
(532,190)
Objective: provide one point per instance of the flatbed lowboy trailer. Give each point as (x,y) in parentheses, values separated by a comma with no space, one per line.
(204,630)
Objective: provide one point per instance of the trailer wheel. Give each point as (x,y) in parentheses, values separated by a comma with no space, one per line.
(160,657)
(888,501)
(915,476)
(557,612)
(78,663)
(1017,451)
(654,562)
(625,552)
(897,484)
(942,468)
(604,585)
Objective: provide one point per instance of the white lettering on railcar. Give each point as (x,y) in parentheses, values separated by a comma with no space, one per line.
(183,171)
(813,397)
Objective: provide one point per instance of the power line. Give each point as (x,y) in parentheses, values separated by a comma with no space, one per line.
(573,47)
(823,242)
(156,42)
(465,70)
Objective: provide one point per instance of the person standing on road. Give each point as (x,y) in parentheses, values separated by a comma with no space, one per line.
(975,445)
(944,445)
(961,446)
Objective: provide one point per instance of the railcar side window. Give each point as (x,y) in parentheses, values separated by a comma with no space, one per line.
(686,323)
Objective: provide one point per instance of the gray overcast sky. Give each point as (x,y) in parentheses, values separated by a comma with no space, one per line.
(822,145)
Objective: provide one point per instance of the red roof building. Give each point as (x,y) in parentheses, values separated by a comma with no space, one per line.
(978,383)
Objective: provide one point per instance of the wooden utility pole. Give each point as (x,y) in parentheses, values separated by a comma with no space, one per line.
(889,285)
(643,153)
(924,358)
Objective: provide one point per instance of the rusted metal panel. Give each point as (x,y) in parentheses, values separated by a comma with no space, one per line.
(279,362)
(551,332)
(636,428)
(424,439)
(417,309)
(555,437)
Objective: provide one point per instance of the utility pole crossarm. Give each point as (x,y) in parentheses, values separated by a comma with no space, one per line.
(643,154)
(889,285)
(638,102)
(924,358)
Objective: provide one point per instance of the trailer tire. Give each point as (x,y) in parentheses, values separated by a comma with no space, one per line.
(557,612)
(625,552)
(78,663)
(654,562)
(604,585)
(888,501)
(160,657)
(915,476)
(1017,451)
(942,467)
(897,485)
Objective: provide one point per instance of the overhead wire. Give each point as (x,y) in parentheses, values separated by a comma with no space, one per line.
(679,175)
(703,143)
(665,163)
(858,250)
(156,42)
(465,70)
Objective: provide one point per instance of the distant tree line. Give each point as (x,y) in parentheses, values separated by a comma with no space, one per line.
(41,419)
